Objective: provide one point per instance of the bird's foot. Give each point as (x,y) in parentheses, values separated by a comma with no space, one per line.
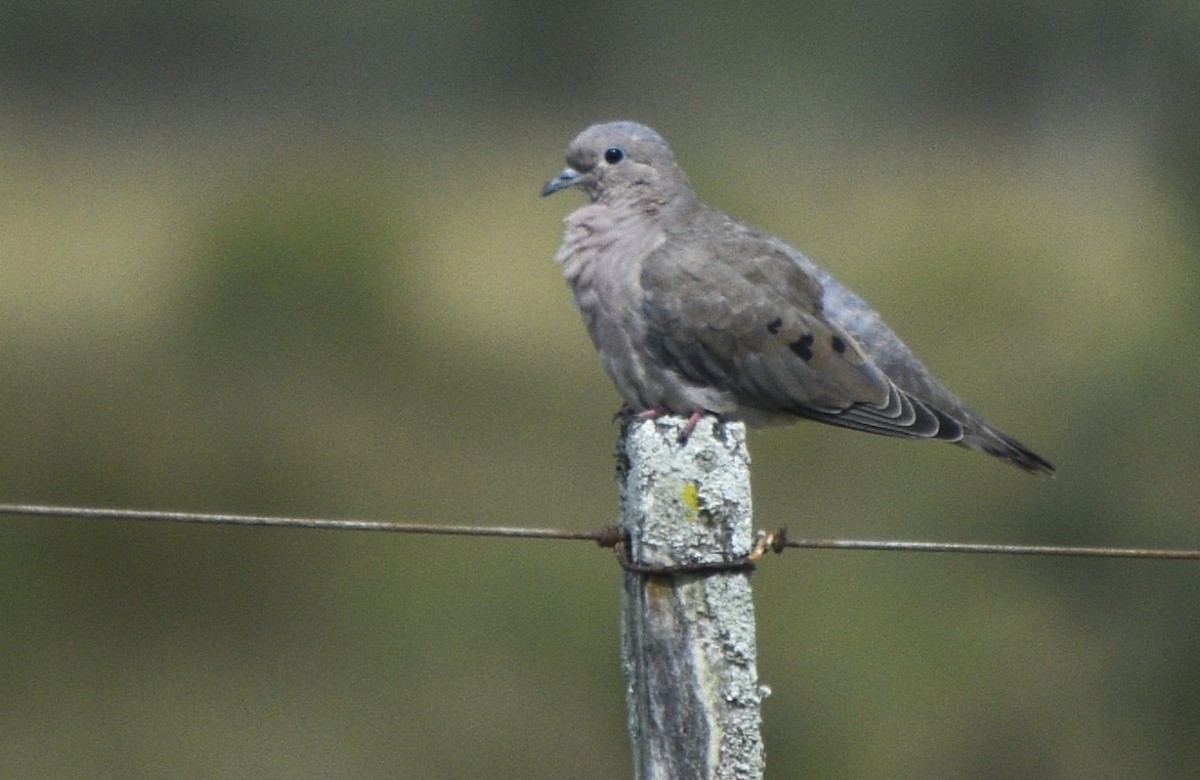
(655,412)
(690,425)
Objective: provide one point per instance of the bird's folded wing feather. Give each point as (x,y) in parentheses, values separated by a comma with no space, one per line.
(734,310)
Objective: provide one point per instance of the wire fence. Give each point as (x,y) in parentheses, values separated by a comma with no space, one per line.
(776,540)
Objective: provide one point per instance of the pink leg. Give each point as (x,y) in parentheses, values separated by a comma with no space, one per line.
(691,424)
(655,412)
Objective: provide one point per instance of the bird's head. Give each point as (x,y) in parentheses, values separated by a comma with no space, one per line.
(621,162)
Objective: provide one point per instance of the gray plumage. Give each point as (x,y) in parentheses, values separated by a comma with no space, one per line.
(692,311)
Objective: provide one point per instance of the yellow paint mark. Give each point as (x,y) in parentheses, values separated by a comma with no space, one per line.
(691,501)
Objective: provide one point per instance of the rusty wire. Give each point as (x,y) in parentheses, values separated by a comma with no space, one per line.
(774,541)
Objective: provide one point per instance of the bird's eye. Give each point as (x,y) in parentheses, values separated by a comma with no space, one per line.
(614,155)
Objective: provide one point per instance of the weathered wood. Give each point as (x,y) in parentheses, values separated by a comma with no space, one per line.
(688,646)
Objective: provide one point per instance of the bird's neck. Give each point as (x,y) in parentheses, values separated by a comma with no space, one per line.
(619,233)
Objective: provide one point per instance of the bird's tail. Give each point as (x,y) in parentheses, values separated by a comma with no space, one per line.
(1007,448)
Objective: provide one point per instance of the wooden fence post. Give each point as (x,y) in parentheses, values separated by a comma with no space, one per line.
(687,639)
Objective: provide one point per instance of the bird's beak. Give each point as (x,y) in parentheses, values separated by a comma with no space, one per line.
(568,178)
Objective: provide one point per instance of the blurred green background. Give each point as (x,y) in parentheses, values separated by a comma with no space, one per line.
(289,258)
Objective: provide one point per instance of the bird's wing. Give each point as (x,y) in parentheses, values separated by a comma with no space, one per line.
(730,308)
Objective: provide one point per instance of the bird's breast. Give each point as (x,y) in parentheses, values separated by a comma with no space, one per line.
(601,257)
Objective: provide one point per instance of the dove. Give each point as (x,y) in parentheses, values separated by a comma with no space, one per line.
(693,312)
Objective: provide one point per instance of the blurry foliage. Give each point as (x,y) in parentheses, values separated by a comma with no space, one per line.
(289,258)
(295,263)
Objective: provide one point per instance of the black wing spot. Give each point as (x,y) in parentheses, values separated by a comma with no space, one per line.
(839,346)
(803,347)
(775,325)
